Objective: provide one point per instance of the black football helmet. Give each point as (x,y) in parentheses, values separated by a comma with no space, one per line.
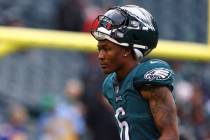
(128,26)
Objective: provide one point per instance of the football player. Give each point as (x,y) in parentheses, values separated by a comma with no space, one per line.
(139,91)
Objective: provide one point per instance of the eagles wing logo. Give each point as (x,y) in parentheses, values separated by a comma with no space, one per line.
(157,74)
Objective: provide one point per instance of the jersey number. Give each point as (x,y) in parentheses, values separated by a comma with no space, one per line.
(124,128)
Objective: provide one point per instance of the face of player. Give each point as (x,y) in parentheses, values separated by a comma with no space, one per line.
(110,56)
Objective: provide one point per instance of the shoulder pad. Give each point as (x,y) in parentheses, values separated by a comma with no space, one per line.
(154,72)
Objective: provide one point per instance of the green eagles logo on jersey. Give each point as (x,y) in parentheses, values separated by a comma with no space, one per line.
(157,74)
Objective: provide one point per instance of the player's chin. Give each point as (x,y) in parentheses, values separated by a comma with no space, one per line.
(106,70)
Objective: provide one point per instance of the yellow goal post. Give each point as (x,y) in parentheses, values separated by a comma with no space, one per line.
(15,38)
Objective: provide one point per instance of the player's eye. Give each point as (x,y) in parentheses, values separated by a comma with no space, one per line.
(99,49)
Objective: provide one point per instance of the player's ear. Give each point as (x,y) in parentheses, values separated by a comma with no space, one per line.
(126,51)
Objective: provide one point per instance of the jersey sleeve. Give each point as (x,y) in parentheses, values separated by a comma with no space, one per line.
(154,72)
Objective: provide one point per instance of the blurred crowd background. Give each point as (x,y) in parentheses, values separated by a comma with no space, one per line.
(49,94)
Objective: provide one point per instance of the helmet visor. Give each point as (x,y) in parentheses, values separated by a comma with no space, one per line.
(105,24)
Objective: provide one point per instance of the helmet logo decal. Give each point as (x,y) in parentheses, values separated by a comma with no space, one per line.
(135,23)
(158,74)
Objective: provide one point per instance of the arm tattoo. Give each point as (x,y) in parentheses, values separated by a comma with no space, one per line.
(163,110)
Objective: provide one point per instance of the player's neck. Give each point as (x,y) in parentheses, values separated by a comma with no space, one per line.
(123,72)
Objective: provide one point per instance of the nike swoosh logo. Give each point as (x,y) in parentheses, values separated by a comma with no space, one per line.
(152,62)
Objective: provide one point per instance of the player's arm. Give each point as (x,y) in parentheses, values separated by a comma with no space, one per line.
(163,109)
